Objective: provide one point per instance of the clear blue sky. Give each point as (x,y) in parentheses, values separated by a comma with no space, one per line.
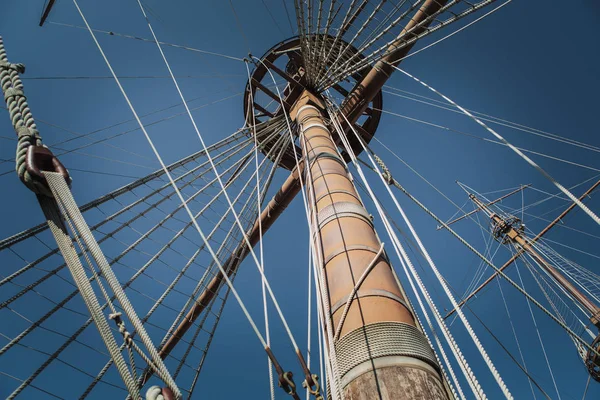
(533,62)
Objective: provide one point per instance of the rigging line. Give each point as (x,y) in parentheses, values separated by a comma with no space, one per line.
(237,21)
(311,216)
(571,248)
(116,259)
(405,260)
(260,233)
(501,122)
(425,180)
(455,32)
(168,174)
(496,269)
(230,152)
(489,118)
(349,45)
(587,385)
(111,33)
(273,18)
(512,326)
(538,333)
(33,386)
(523,368)
(397,7)
(251,249)
(146,115)
(387,49)
(99,141)
(104,173)
(72,78)
(287,13)
(334,74)
(78,135)
(568,273)
(562,225)
(490,140)
(200,283)
(321,64)
(589,212)
(338,37)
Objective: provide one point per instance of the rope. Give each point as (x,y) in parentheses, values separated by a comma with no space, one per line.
(359,282)
(311,220)
(71,213)
(496,269)
(20,116)
(405,261)
(63,240)
(563,189)
(438,275)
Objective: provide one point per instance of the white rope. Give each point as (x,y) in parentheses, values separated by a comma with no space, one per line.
(492,119)
(455,32)
(435,270)
(175,188)
(260,235)
(489,140)
(309,319)
(323,300)
(359,282)
(405,260)
(516,150)
(538,333)
(235,214)
(514,331)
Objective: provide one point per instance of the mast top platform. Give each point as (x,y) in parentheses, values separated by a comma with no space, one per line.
(291,72)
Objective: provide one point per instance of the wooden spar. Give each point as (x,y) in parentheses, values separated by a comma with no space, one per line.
(360,97)
(521,251)
(276,206)
(373,329)
(488,204)
(46,11)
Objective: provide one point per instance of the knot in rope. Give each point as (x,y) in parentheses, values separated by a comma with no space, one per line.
(286,382)
(122,329)
(157,393)
(387,175)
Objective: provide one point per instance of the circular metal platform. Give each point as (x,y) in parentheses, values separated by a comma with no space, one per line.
(286,65)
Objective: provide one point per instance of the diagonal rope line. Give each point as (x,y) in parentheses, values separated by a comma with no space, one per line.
(246,239)
(512,147)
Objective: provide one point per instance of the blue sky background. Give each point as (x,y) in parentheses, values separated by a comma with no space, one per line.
(533,62)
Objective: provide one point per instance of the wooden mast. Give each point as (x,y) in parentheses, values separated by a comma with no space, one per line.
(515,235)
(379,351)
(531,241)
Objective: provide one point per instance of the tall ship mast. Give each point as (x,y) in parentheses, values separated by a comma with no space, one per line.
(264,180)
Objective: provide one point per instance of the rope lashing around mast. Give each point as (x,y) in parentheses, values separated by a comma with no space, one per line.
(43,174)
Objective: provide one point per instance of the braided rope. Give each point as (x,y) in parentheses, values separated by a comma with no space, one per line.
(20,116)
